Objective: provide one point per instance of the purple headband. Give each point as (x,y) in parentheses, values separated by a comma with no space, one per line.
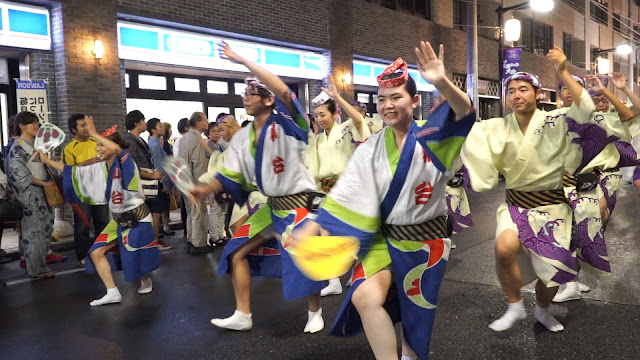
(577,78)
(358,104)
(223,118)
(524,76)
(593,93)
(254,82)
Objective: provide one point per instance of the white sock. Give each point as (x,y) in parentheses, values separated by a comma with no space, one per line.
(315,321)
(405,357)
(573,286)
(546,319)
(113,296)
(238,321)
(312,313)
(515,312)
(146,286)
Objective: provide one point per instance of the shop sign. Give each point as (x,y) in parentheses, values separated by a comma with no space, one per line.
(366,73)
(24,26)
(32,96)
(175,47)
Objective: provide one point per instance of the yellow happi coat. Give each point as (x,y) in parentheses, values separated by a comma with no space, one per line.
(534,161)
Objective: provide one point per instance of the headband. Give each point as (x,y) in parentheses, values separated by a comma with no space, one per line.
(524,76)
(109,131)
(399,64)
(322,98)
(254,82)
(577,78)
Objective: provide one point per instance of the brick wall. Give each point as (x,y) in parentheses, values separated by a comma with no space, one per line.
(296,21)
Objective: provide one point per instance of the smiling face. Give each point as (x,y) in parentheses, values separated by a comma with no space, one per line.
(324,117)
(396,105)
(104,152)
(522,96)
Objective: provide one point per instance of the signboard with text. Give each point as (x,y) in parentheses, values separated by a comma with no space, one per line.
(511,62)
(32,96)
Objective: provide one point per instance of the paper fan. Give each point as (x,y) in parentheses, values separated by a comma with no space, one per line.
(178,171)
(48,138)
(324,257)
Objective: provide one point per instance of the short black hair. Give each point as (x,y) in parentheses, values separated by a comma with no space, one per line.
(183,124)
(117,138)
(211,125)
(25,118)
(12,124)
(73,121)
(151,124)
(245,123)
(132,119)
(195,118)
(221,115)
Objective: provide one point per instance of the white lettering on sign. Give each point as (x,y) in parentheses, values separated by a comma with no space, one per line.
(189,45)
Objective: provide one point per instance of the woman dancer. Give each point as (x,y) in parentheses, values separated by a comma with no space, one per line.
(128,242)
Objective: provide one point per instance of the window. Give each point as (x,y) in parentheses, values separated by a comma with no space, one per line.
(152,82)
(600,12)
(542,38)
(239,88)
(188,85)
(217,87)
(566,45)
(616,21)
(126,80)
(460,14)
(420,8)
(525,38)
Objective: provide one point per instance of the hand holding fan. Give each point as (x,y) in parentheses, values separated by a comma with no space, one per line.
(48,138)
(178,172)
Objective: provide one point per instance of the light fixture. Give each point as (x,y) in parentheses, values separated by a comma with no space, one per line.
(347,78)
(624,49)
(512,30)
(603,65)
(541,5)
(98,50)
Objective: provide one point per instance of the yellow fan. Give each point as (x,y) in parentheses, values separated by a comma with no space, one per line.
(324,257)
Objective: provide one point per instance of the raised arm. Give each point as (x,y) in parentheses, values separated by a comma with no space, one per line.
(273,82)
(624,112)
(620,82)
(106,142)
(351,111)
(432,69)
(557,56)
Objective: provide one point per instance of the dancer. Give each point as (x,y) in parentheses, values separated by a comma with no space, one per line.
(530,148)
(128,243)
(268,152)
(392,198)
(599,167)
(329,152)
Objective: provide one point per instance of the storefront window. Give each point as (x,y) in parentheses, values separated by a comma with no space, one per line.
(239,88)
(217,87)
(152,82)
(170,111)
(188,85)
(126,80)
(213,112)
(363,98)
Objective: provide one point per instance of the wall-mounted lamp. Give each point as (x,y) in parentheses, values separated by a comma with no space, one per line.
(347,78)
(98,50)
(603,65)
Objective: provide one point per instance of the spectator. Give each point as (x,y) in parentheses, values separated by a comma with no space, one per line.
(192,149)
(141,154)
(217,202)
(82,151)
(214,141)
(375,125)
(161,202)
(26,181)
(183,128)
(166,145)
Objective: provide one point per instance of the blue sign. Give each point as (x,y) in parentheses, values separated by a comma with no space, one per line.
(24,26)
(167,46)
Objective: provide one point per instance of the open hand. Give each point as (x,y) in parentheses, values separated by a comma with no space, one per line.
(430,65)
(619,81)
(332,90)
(557,56)
(596,84)
(229,54)
(91,126)
(201,191)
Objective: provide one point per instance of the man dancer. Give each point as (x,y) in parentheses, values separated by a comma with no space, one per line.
(529,148)
(268,152)
(81,151)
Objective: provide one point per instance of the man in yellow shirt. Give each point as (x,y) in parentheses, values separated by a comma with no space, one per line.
(82,151)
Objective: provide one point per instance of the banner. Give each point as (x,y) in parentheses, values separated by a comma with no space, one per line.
(32,96)
(510,62)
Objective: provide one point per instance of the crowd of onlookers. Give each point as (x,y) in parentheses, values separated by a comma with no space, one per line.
(24,179)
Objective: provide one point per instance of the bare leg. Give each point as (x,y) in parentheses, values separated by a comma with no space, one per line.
(314,302)
(156,223)
(406,349)
(165,220)
(241,275)
(101,264)
(507,268)
(544,294)
(636,184)
(368,299)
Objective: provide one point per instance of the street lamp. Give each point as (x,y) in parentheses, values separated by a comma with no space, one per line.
(536,5)
(602,64)
(512,30)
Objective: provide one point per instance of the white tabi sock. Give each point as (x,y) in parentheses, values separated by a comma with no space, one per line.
(239,321)
(515,312)
(546,319)
(315,322)
(113,296)
(405,357)
(145,286)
